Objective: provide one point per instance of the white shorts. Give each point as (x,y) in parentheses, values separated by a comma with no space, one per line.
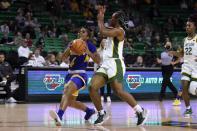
(112,69)
(188,72)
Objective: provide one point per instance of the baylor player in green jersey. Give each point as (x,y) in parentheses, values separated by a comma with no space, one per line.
(112,69)
(189,67)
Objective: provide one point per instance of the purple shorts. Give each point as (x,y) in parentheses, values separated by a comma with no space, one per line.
(79,79)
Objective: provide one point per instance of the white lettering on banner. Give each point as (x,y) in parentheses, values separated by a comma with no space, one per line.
(135,81)
(160,80)
(151,80)
(142,80)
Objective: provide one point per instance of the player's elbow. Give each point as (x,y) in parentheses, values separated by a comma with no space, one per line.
(97,58)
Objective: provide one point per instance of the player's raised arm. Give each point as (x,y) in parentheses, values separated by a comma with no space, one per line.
(114,32)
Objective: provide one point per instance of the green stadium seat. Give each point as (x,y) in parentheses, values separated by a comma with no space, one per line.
(139,46)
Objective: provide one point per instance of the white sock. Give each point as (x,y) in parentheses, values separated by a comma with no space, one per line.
(138,108)
(188,107)
(101,112)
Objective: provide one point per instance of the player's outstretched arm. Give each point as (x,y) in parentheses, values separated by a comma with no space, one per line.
(95,56)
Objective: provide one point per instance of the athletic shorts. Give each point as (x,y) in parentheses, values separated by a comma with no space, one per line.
(112,69)
(79,79)
(188,72)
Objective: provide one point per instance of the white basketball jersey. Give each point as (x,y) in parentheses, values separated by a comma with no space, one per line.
(113,48)
(190,50)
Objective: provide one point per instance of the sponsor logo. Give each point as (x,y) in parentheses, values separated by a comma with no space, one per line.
(53,81)
(133,81)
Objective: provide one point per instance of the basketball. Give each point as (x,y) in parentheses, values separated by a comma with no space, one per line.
(78,46)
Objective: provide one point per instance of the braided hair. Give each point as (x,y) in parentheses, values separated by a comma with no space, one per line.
(122,19)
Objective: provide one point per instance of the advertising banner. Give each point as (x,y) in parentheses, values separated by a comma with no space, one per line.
(52,82)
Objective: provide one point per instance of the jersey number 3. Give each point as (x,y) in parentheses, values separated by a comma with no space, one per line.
(188,51)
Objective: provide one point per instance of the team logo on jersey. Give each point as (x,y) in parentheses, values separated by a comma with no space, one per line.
(53,81)
(134,81)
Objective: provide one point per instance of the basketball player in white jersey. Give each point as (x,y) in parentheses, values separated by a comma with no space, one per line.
(189,67)
(112,69)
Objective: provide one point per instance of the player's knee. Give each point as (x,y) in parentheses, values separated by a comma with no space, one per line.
(119,92)
(185,89)
(193,88)
(66,92)
(92,87)
(71,103)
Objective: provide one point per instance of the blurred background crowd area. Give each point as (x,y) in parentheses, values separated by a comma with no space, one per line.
(43,28)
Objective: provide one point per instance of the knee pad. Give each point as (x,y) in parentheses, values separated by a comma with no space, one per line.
(193,88)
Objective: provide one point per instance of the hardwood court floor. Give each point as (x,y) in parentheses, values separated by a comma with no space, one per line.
(34,117)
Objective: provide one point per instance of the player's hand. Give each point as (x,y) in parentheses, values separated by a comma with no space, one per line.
(101,9)
(101,12)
